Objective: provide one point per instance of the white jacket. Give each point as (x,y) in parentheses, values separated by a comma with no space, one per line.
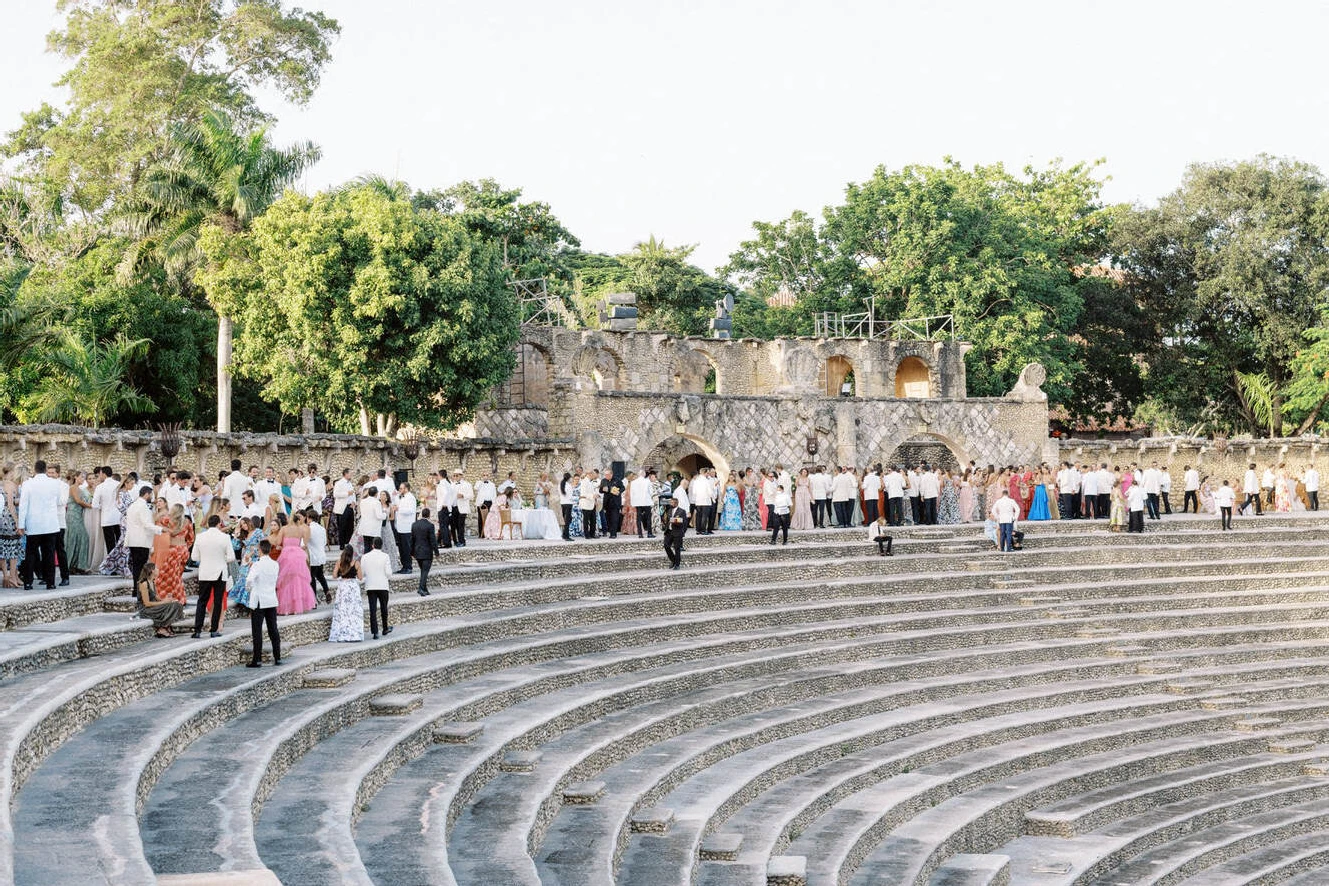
(213,550)
(139,527)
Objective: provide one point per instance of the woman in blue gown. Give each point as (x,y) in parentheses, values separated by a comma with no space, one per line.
(1038,510)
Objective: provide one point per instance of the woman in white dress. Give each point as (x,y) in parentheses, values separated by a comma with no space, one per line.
(348,608)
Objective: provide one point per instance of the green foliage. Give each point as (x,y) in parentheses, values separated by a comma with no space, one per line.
(142,67)
(83,382)
(1231,269)
(357,300)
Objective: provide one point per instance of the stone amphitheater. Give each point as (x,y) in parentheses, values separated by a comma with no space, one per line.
(1096,709)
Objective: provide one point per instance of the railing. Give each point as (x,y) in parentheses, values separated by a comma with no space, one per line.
(864,324)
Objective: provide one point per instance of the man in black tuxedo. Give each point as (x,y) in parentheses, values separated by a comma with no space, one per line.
(423,545)
(611,498)
(676,524)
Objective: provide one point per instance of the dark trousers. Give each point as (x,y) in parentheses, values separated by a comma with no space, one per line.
(318,579)
(1191,503)
(844,512)
(403,549)
(1006,533)
(138,558)
(1254,497)
(257,619)
(895,511)
(215,590)
(457,528)
(1167,505)
(916,508)
(644,521)
(613,512)
(61,560)
(1090,506)
(481,511)
(1064,505)
(567,522)
(345,525)
(770,514)
(930,511)
(425,565)
(40,560)
(1135,523)
(870,511)
(1104,505)
(1268,495)
(673,545)
(1315,499)
(821,512)
(781,524)
(588,523)
(110,535)
(1226,514)
(1151,504)
(884,543)
(381,599)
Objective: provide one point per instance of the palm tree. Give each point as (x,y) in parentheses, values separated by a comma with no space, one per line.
(218,175)
(84,382)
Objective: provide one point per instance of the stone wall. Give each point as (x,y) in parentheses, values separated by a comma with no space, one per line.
(1220,458)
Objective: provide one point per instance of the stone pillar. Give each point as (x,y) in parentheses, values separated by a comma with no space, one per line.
(846,436)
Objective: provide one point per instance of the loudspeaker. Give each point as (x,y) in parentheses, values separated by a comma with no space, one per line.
(618,469)
(400,476)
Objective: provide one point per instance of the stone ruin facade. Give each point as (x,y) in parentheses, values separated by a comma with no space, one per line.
(649,398)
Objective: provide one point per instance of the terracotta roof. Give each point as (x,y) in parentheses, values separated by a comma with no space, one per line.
(783,298)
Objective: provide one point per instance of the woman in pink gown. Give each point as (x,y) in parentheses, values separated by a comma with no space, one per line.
(802,516)
(295,594)
(967,497)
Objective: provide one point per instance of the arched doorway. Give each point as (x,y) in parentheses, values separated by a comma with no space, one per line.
(598,364)
(685,454)
(912,378)
(839,377)
(930,448)
(531,379)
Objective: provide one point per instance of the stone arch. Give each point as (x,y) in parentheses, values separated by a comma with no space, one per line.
(685,451)
(695,370)
(927,446)
(599,364)
(532,378)
(839,373)
(913,378)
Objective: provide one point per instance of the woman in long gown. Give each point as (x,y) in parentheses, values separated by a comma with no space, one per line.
(1038,509)
(801,518)
(11,543)
(628,526)
(966,497)
(1282,493)
(248,535)
(77,544)
(731,513)
(494,522)
(1117,513)
(117,559)
(170,551)
(348,607)
(948,503)
(92,523)
(295,594)
(751,518)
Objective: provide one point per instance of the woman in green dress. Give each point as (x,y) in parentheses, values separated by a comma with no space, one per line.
(78,547)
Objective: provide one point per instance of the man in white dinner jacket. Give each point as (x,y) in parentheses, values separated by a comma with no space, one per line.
(213,551)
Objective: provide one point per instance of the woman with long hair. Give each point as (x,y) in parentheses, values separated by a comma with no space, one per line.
(117,559)
(170,551)
(77,544)
(163,611)
(348,608)
(247,535)
(11,543)
(295,592)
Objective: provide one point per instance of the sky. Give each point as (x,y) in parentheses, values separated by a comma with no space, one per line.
(690,120)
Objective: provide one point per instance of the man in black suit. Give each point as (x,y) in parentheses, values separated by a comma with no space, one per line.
(423,545)
(611,497)
(676,524)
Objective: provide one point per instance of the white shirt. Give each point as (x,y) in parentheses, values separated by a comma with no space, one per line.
(702,492)
(139,528)
(782,501)
(587,490)
(877,528)
(446,495)
(1150,481)
(302,495)
(1312,480)
(911,485)
(107,498)
(843,487)
(1005,510)
(1192,480)
(371,517)
(1073,481)
(928,484)
(821,485)
(485,491)
(1089,483)
(342,493)
(1135,497)
(63,512)
(1267,481)
(1164,481)
(683,501)
(406,507)
(213,550)
(234,488)
(639,493)
(317,546)
(261,583)
(39,507)
(1225,496)
(464,492)
(375,565)
(265,488)
(318,490)
(1252,483)
(894,485)
(871,485)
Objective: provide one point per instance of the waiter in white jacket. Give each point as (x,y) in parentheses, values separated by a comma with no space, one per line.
(139,531)
(639,497)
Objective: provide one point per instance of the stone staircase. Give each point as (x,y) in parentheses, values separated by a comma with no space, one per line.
(1097,708)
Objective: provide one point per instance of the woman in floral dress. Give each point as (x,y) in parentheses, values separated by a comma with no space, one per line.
(248,536)
(629,525)
(170,551)
(731,513)
(948,504)
(348,607)
(117,560)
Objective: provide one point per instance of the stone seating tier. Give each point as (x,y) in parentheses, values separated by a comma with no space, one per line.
(942,701)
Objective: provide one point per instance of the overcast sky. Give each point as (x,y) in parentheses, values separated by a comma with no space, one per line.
(690,120)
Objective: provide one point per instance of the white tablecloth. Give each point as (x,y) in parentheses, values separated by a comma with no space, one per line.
(538,523)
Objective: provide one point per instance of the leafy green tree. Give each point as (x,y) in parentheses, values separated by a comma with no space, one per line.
(357,303)
(217,176)
(84,382)
(789,255)
(141,68)
(1231,269)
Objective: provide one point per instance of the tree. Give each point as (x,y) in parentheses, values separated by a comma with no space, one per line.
(84,382)
(141,68)
(1231,269)
(789,255)
(217,176)
(358,303)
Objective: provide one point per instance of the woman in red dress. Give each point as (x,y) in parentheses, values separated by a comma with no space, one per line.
(170,551)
